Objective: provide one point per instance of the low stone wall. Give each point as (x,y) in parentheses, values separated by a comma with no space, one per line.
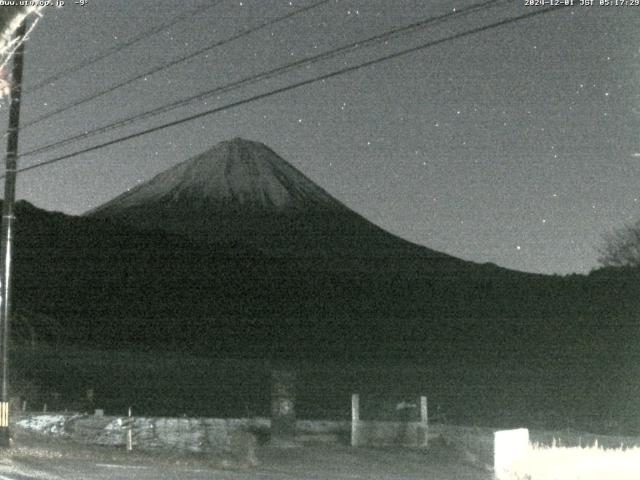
(183,434)
(323,431)
(211,434)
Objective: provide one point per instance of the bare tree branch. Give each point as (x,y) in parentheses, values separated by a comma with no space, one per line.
(621,248)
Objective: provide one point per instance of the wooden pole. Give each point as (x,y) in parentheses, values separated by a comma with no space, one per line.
(7,231)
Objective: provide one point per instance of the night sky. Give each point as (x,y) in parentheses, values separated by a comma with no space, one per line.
(519,145)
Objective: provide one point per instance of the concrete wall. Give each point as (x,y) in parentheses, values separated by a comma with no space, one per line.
(473,445)
(373,433)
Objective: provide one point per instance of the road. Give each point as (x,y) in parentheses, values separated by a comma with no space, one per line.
(321,462)
(86,470)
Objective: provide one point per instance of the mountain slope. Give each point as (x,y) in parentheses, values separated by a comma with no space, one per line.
(108,284)
(242,191)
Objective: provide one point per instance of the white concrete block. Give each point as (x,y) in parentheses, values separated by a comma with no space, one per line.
(509,447)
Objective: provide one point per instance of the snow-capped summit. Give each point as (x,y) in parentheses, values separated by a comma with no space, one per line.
(237,174)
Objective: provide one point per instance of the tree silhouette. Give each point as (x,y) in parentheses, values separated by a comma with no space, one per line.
(621,247)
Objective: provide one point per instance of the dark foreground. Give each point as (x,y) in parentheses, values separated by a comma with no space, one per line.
(555,391)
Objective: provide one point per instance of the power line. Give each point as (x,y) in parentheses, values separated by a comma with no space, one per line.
(265,75)
(117,48)
(174,62)
(294,86)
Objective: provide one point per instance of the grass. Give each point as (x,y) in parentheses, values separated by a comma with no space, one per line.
(577,463)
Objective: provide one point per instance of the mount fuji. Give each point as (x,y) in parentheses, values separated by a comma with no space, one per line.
(243,192)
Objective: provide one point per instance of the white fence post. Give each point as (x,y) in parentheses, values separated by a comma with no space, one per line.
(424,412)
(130,432)
(355,419)
(424,419)
(509,447)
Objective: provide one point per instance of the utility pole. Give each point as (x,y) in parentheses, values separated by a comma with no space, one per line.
(7,232)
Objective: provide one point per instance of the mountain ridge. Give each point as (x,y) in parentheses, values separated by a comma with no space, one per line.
(109,284)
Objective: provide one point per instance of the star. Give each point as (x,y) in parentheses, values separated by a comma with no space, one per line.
(559,117)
